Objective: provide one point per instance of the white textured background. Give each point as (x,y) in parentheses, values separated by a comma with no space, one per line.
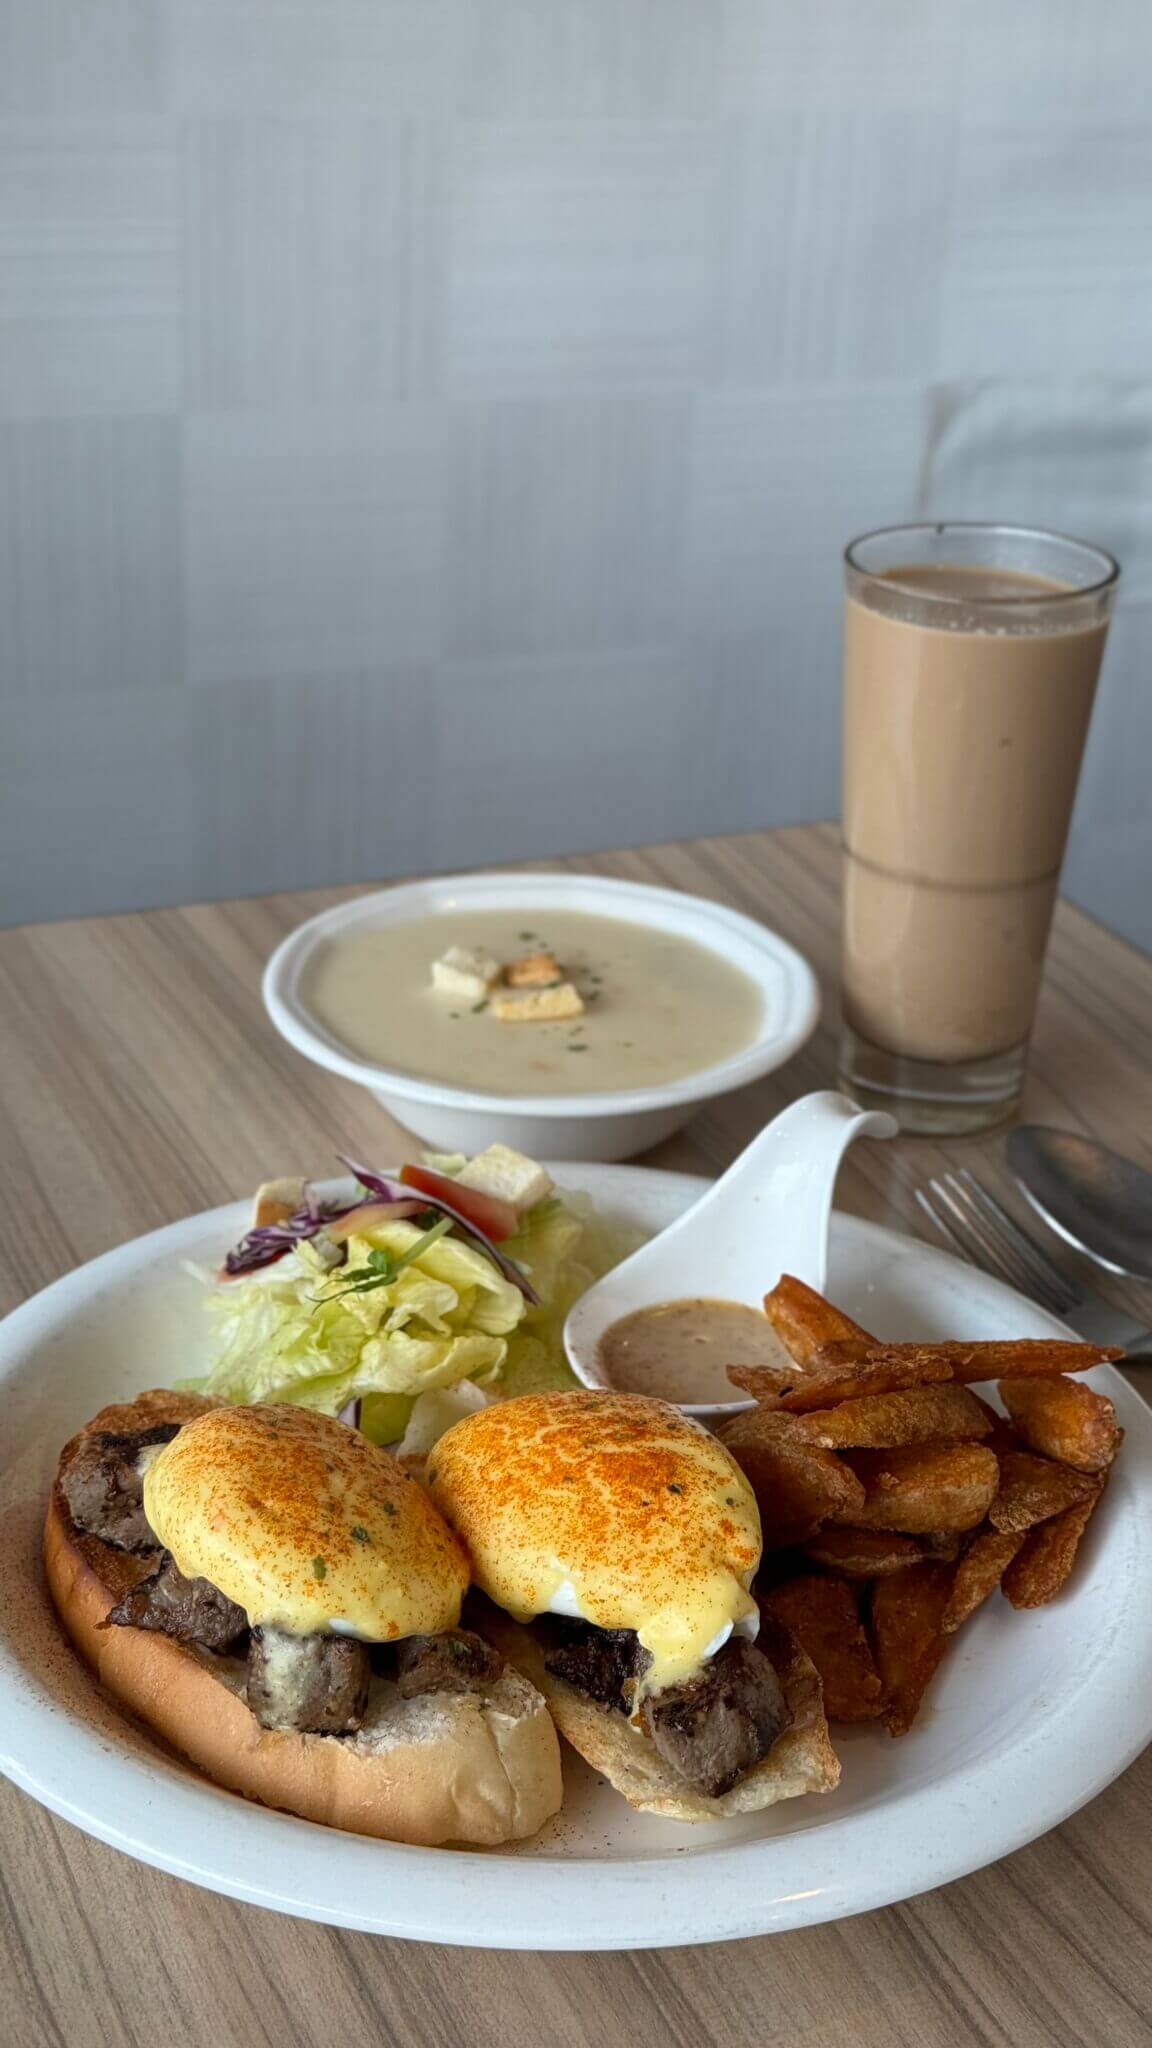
(428,428)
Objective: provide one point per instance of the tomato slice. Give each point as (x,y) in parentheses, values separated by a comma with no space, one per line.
(495,1218)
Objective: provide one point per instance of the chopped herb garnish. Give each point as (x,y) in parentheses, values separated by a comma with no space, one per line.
(481,1005)
(319,1568)
(673,1488)
(527,937)
(389,1507)
(382,1267)
(454,1014)
(577,1048)
(360,1535)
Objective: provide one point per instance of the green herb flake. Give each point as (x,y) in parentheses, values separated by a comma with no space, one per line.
(481,1005)
(577,1048)
(673,1488)
(319,1568)
(360,1535)
(389,1507)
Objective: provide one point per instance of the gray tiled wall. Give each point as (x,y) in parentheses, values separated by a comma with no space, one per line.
(428,428)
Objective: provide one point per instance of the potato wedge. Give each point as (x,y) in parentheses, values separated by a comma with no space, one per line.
(862,1553)
(826,1387)
(923,1487)
(1047,1556)
(797,1485)
(966,1363)
(979,1572)
(823,1616)
(803,1320)
(911,1415)
(908,1637)
(1062,1419)
(1032,1489)
(1001,1436)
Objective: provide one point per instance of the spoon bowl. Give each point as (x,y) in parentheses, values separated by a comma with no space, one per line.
(767,1215)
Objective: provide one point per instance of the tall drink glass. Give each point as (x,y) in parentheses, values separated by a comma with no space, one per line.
(970,661)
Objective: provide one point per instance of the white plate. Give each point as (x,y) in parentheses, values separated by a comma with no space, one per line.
(1030,1716)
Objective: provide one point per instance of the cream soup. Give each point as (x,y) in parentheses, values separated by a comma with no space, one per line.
(656,1006)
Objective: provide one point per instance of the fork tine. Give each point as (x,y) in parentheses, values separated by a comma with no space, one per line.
(981,1248)
(1003,1255)
(942,1224)
(1030,1251)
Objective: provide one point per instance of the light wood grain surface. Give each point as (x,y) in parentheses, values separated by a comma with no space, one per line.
(139,1082)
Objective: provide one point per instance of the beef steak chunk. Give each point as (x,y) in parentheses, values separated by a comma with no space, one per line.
(605,1663)
(456,1661)
(190,1609)
(103,1485)
(315,1684)
(718,1725)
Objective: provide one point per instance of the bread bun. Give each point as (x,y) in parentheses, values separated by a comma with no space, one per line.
(801,1760)
(442,1767)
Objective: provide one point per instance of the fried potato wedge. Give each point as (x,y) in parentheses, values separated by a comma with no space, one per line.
(797,1484)
(862,1553)
(911,1415)
(1001,1436)
(823,1616)
(1062,1419)
(1032,1489)
(827,1386)
(908,1640)
(966,1363)
(1048,1553)
(979,1572)
(923,1487)
(803,1320)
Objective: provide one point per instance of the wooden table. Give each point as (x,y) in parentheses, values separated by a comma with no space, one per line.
(139,1081)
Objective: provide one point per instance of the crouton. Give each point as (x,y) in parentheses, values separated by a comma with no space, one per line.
(466,972)
(534,970)
(539,1005)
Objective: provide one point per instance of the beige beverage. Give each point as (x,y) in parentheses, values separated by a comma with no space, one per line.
(967,696)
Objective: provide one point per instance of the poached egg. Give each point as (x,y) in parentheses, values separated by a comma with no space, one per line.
(613,1508)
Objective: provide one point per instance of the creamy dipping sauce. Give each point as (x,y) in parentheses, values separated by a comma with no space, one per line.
(681,1350)
(656,1006)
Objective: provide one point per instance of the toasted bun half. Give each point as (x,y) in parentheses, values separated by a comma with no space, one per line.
(800,1760)
(443,1767)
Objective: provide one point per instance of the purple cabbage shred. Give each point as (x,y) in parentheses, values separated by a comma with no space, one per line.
(387,1190)
(268,1242)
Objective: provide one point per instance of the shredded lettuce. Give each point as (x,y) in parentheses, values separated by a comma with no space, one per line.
(563,1246)
(436,1314)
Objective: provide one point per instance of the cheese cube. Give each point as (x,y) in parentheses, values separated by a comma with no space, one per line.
(509,1175)
(466,972)
(538,1005)
(276,1200)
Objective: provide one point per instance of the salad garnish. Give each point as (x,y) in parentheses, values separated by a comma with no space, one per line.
(440,1287)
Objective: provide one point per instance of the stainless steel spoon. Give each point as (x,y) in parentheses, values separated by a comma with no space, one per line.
(1093,1198)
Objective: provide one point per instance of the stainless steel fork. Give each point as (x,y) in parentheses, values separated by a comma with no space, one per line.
(979,1227)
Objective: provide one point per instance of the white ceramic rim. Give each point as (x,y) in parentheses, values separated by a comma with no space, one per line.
(911,1841)
(748,943)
